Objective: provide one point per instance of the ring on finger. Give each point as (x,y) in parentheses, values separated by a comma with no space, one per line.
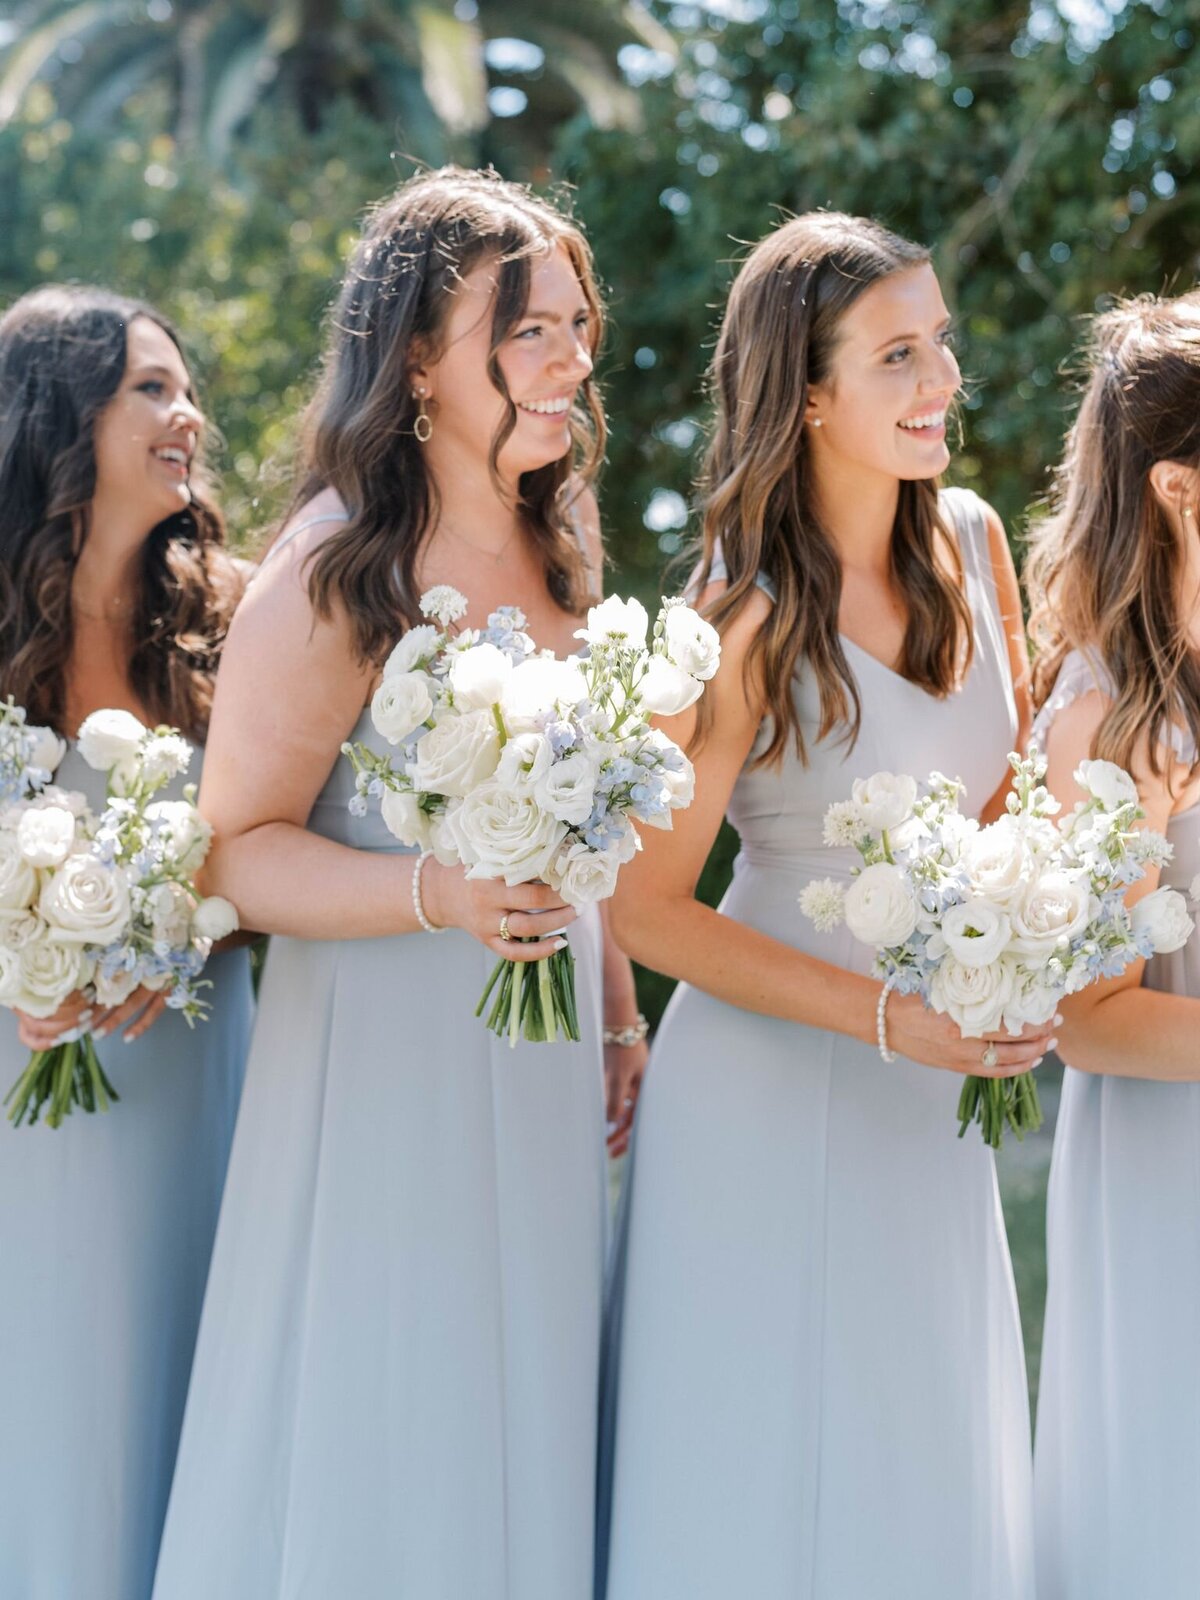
(989,1057)
(504,933)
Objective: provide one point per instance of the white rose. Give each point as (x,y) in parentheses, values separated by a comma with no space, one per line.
(567,789)
(1106,782)
(880,907)
(86,902)
(583,875)
(404,819)
(107,737)
(998,862)
(49,973)
(115,990)
(478,676)
(46,835)
(457,753)
(416,646)
(692,643)
(400,705)
(164,757)
(443,840)
(973,997)
(214,918)
(48,748)
(18,880)
(538,685)
(19,928)
(524,761)
(665,689)
(10,976)
(1054,908)
(1032,1001)
(615,619)
(185,832)
(505,835)
(1164,916)
(975,933)
(885,799)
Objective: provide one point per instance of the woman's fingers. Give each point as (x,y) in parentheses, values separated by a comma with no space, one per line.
(153,1004)
(535,925)
(155,1009)
(515,949)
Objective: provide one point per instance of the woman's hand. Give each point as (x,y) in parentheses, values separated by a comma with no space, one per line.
(932,1038)
(43,1033)
(480,905)
(624,1065)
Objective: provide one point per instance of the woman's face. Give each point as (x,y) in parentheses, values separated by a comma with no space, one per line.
(544,360)
(893,375)
(146,435)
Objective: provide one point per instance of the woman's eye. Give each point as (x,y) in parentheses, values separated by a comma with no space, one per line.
(949,336)
(527,333)
(895,357)
(152,386)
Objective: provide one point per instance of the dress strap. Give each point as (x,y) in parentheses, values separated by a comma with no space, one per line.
(1082,672)
(720,572)
(301,527)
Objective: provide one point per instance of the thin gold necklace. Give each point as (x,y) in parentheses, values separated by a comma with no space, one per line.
(480,550)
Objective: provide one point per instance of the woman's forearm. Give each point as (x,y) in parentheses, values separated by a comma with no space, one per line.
(620,991)
(1133,1033)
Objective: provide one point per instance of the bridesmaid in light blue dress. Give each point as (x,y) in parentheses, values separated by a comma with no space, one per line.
(815,1387)
(1115,579)
(394,1392)
(106,1223)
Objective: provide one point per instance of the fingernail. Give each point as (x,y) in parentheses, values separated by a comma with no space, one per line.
(1052,1045)
(85,1017)
(1058,1019)
(560,944)
(1039,1061)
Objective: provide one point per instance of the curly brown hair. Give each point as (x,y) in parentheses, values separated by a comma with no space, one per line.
(62,358)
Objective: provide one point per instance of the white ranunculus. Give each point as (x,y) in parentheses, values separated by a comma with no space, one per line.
(665,689)
(478,676)
(186,834)
(107,737)
(975,932)
(165,756)
(1164,916)
(48,748)
(214,918)
(885,799)
(504,835)
(538,685)
(692,643)
(46,835)
(170,909)
(973,997)
(115,990)
(524,761)
(1106,782)
(400,705)
(414,648)
(1054,908)
(615,619)
(86,902)
(457,753)
(404,819)
(49,973)
(583,875)
(18,880)
(880,907)
(567,788)
(998,862)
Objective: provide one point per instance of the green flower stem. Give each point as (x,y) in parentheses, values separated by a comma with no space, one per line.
(535,1003)
(997,1103)
(61,1078)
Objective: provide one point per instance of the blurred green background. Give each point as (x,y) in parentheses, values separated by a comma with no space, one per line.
(215,157)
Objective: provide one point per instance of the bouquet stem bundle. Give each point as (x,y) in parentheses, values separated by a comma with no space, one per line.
(534,1000)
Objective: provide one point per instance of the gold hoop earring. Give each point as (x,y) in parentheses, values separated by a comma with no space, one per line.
(423,426)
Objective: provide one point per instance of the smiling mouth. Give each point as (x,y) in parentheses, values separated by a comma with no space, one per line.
(547,408)
(928,422)
(174,457)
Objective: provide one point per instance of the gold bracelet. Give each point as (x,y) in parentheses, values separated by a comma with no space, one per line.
(632,1033)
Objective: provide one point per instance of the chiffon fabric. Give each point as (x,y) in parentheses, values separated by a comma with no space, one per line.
(1117,1465)
(394,1392)
(814,1385)
(106,1228)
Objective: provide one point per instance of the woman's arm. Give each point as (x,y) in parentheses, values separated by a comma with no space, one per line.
(1117,1026)
(658,920)
(1012,621)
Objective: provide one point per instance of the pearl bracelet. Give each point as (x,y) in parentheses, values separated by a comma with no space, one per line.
(418,905)
(881,1019)
(632,1033)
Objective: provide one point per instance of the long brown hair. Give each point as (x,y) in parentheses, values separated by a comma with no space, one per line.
(359,438)
(1105,566)
(62,358)
(778,338)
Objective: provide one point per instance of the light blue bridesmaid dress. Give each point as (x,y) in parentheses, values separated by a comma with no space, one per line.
(1117,1465)
(394,1392)
(106,1228)
(815,1386)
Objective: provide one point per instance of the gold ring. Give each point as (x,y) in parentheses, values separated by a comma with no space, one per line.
(989,1057)
(504,933)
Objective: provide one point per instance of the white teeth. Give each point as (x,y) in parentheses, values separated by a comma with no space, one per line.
(546,408)
(170,453)
(933,420)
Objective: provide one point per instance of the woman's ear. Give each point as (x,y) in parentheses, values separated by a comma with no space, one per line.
(1175,486)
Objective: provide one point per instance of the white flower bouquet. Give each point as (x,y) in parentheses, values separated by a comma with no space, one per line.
(993,925)
(525,767)
(100,904)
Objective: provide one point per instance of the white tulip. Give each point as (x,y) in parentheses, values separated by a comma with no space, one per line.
(108,737)
(1106,782)
(1164,916)
(478,676)
(616,620)
(665,689)
(885,799)
(536,687)
(692,644)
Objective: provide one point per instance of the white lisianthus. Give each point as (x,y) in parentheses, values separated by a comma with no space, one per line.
(186,833)
(975,933)
(400,705)
(1054,908)
(880,908)
(404,819)
(535,687)
(108,737)
(214,918)
(505,835)
(998,862)
(567,788)
(583,875)
(823,902)
(46,835)
(973,997)
(114,990)
(170,908)
(885,799)
(49,973)
(1163,915)
(456,754)
(413,650)
(165,756)
(692,644)
(622,621)
(665,689)
(86,902)
(478,676)
(18,880)
(524,761)
(444,603)
(1106,782)
(48,748)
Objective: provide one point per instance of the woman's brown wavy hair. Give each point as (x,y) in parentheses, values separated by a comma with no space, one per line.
(359,440)
(1105,566)
(62,358)
(778,338)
